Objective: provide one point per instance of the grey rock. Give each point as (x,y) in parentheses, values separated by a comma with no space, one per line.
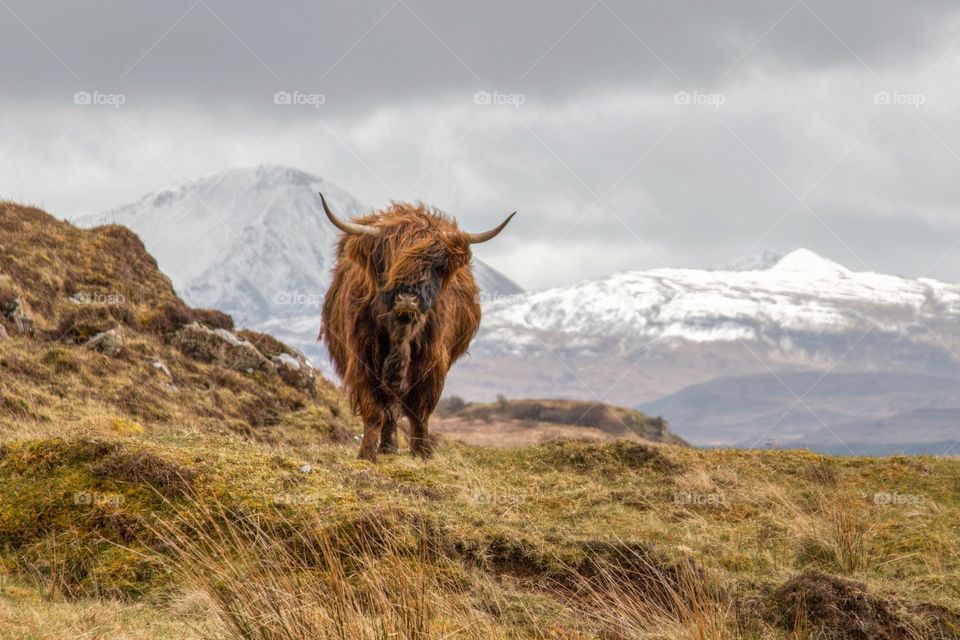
(15,312)
(161,367)
(295,370)
(109,343)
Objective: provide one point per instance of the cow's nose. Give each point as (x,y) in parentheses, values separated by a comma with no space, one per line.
(406,301)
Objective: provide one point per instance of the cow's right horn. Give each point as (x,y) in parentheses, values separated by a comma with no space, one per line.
(350,228)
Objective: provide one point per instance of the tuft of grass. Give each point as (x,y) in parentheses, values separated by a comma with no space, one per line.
(279,581)
(646,601)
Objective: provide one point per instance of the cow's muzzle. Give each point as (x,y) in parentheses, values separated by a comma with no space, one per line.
(406,307)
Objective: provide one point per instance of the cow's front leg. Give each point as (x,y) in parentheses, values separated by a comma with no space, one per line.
(388,433)
(417,406)
(420,436)
(372,413)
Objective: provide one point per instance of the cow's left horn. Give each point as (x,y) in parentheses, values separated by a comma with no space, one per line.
(476,238)
(350,228)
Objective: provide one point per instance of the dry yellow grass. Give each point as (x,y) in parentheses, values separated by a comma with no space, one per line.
(26,613)
(512,542)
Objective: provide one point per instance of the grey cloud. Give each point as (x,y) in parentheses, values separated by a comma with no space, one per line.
(219,54)
(399,119)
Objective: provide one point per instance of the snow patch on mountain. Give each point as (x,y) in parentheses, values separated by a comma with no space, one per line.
(806,261)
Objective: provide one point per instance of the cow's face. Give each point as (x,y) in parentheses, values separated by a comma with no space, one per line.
(409,254)
(412,296)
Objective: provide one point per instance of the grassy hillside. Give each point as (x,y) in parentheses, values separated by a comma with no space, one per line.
(218,496)
(93,335)
(562,539)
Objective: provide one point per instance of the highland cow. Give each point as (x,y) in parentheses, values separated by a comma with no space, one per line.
(403,306)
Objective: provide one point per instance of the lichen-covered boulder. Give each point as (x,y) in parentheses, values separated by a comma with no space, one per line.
(16,313)
(221,347)
(109,343)
(295,370)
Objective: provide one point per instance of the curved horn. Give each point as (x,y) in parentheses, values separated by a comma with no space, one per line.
(476,238)
(350,228)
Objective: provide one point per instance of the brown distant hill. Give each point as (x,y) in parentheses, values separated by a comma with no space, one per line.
(516,423)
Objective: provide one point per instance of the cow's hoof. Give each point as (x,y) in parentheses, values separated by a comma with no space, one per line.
(367,455)
(422,450)
(388,447)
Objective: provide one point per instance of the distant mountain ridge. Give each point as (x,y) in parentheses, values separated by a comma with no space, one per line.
(908,412)
(670,340)
(801,293)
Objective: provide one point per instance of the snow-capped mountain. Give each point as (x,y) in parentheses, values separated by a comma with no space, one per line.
(253,242)
(636,338)
(801,297)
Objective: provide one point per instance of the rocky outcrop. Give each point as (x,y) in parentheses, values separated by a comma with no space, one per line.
(226,348)
(295,370)
(220,346)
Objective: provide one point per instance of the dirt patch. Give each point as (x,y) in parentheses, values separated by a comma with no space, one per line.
(832,608)
(169,478)
(513,555)
(640,569)
(937,622)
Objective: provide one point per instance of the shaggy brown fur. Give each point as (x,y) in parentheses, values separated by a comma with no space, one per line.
(386,361)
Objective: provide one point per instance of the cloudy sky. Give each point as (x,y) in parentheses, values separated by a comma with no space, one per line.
(628,134)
